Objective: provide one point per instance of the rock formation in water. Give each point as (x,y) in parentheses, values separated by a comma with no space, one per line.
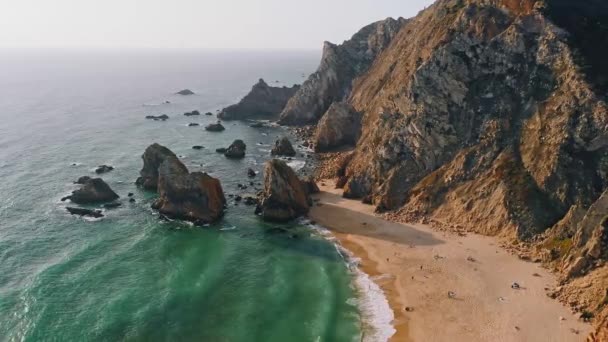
(340,65)
(339,126)
(185,92)
(93,190)
(236,150)
(84,212)
(216,127)
(285,196)
(490,115)
(283,147)
(153,157)
(262,102)
(162,117)
(103,169)
(195,196)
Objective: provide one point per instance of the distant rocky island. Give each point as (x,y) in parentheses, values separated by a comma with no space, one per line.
(481,115)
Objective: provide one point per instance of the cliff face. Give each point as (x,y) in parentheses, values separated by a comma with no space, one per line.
(492,115)
(262,102)
(340,65)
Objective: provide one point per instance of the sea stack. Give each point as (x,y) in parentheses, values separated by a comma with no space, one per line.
(93,190)
(195,197)
(285,196)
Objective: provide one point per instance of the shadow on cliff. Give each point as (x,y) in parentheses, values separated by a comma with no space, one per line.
(357,218)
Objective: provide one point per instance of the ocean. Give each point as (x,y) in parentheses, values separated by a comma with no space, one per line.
(130,276)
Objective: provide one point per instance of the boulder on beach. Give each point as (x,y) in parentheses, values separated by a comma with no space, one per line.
(103,169)
(283,147)
(195,196)
(185,92)
(216,127)
(236,150)
(84,212)
(153,157)
(284,197)
(94,190)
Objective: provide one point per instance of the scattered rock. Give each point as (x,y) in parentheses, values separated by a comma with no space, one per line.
(209,114)
(192,113)
(156,118)
(197,147)
(236,150)
(112,205)
(94,190)
(216,127)
(283,147)
(221,150)
(103,169)
(84,212)
(251,173)
(193,124)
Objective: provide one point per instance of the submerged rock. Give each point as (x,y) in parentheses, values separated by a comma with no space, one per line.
(283,147)
(94,190)
(216,127)
(153,157)
(284,196)
(84,212)
(185,92)
(262,102)
(236,150)
(192,124)
(103,169)
(197,147)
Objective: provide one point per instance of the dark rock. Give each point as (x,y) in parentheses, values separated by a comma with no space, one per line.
(251,173)
(130,194)
(192,113)
(195,196)
(159,117)
(216,127)
(238,198)
(82,180)
(284,196)
(197,147)
(95,190)
(132,200)
(185,92)
(262,102)
(283,147)
(153,157)
(193,124)
(236,150)
(84,212)
(209,114)
(112,205)
(221,150)
(103,169)
(250,200)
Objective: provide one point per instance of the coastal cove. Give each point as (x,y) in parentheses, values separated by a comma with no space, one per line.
(129,274)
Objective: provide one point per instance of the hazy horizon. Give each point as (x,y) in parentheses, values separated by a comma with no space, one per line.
(191,24)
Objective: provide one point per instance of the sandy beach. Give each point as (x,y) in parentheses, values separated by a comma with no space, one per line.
(446,287)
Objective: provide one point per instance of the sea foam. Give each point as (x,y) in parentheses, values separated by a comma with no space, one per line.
(376,313)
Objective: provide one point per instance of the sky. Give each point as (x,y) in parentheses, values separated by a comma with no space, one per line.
(225,24)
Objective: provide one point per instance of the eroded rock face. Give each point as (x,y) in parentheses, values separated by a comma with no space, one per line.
(94,190)
(236,150)
(340,125)
(262,102)
(340,65)
(283,147)
(195,196)
(284,197)
(153,157)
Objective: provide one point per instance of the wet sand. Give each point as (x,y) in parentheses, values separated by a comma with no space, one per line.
(446,287)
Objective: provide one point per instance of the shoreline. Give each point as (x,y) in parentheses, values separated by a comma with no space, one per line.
(416,266)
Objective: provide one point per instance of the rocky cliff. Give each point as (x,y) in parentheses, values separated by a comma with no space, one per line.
(491,115)
(262,102)
(340,65)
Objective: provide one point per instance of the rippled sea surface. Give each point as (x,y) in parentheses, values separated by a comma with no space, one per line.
(130,276)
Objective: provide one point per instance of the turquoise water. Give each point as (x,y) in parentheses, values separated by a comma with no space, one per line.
(130,276)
